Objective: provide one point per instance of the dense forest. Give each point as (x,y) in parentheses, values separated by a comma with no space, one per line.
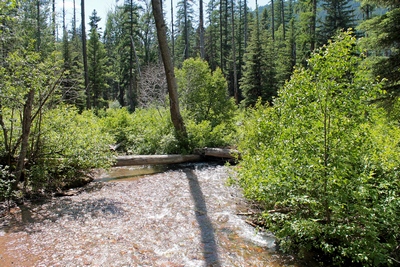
(307,90)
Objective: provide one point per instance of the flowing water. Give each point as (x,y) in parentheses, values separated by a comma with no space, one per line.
(182,215)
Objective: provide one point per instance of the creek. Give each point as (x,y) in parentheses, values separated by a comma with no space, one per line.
(181,215)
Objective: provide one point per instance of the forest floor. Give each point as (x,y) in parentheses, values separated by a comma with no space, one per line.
(183,217)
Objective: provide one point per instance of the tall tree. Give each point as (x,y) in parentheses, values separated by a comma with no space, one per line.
(185,33)
(84,54)
(176,116)
(258,80)
(306,36)
(383,44)
(339,17)
(97,59)
(211,35)
(201,29)
(235,77)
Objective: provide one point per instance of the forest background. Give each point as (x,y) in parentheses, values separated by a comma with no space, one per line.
(311,105)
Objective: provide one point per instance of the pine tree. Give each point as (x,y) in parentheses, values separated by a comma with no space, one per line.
(258,80)
(306,29)
(97,60)
(185,37)
(383,44)
(211,35)
(339,17)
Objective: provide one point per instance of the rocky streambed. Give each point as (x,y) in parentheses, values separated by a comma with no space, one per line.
(186,216)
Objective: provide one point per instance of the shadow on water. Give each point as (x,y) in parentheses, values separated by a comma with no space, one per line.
(210,251)
(62,209)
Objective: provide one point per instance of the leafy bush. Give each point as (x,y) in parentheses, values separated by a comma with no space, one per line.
(6,182)
(117,122)
(323,162)
(203,93)
(72,144)
(204,135)
(146,131)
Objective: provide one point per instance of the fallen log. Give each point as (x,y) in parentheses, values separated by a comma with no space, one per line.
(155,159)
(221,153)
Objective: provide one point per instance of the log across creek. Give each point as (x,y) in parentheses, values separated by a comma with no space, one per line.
(201,155)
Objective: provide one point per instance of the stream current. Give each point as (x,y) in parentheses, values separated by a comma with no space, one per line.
(179,216)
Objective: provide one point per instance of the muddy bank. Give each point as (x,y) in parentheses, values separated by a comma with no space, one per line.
(181,217)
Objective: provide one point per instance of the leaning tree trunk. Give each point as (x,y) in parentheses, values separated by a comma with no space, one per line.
(26,129)
(176,117)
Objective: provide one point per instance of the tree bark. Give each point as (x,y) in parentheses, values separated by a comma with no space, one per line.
(201,30)
(186,29)
(155,159)
(84,53)
(176,117)
(26,129)
(313,25)
(235,79)
(272,19)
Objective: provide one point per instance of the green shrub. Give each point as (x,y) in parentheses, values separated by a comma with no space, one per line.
(6,181)
(323,162)
(118,123)
(145,131)
(72,145)
(204,135)
(203,93)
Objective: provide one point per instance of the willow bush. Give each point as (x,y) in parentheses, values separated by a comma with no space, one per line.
(323,162)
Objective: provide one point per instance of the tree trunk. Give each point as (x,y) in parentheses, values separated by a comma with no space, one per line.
(186,30)
(84,53)
(74,21)
(53,18)
(313,25)
(235,79)
(132,86)
(283,19)
(272,19)
(201,30)
(26,129)
(221,42)
(172,30)
(38,40)
(155,159)
(176,117)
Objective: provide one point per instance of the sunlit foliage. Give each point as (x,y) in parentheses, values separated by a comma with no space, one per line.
(323,162)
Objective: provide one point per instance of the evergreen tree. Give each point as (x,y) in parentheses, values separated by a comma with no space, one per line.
(128,65)
(306,29)
(258,80)
(339,17)
(211,35)
(148,49)
(383,43)
(33,17)
(111,39)
(185,37)
(97,65)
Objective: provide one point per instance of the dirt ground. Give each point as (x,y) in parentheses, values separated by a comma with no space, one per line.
(183,217)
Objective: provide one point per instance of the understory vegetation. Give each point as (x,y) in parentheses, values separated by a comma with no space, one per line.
(323,162)
(66,144)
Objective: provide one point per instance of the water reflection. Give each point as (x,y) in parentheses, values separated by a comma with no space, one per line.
(131,173)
